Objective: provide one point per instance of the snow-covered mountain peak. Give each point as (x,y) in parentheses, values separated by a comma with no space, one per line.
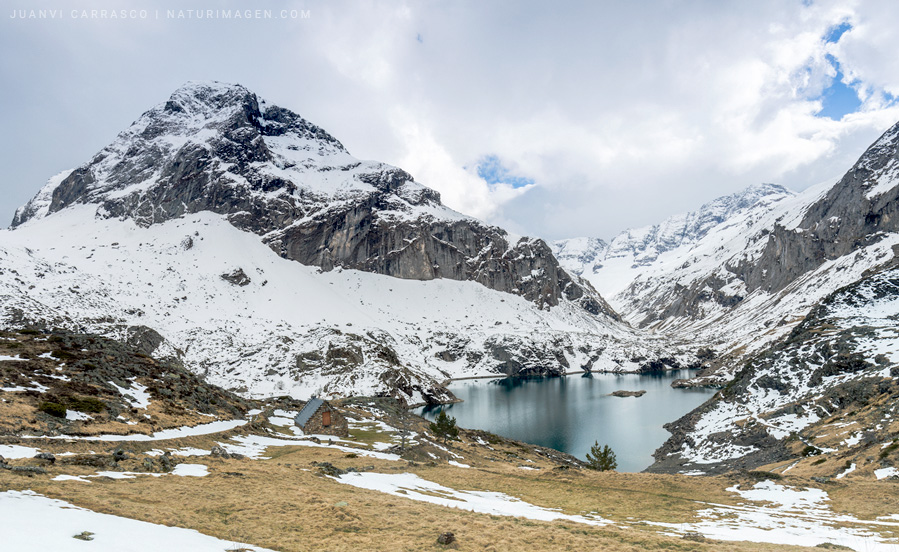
(218,147)
(211,105)
(611,267)
(647,243)
(215,133)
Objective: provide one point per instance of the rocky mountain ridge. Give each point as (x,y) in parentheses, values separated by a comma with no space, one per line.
(610,265)
(232,310)
(217,147)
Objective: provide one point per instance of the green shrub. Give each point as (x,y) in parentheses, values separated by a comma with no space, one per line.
(30,332)
(86,404)
(444,427)
(53,409)
(810,450)
(763,475)
(601,458)
(886,452)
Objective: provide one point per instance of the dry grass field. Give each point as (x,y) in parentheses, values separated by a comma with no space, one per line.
(285,503)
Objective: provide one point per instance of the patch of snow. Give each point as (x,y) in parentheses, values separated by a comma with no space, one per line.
(883,473)
(176,433)
(415,488)
(14,452)
(74,415)
(848,470)
(797,517)
(117,475)
(253,446)
(458,464)
(186,451)
(36,387)
(191,470)
(136,395)
(36,523)
(64,477)
(854,440)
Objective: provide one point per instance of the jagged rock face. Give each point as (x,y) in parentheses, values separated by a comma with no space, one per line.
(216,147)
(358,236)
(857,212)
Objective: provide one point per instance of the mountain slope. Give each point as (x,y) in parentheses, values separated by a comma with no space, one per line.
(217,147)
(233,310)
(839,368)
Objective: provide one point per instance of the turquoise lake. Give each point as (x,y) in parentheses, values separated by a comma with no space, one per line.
(571,413)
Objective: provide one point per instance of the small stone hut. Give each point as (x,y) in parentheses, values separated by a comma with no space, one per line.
(318,417)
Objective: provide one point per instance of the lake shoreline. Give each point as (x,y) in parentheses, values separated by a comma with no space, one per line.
(572,414)
(576,372)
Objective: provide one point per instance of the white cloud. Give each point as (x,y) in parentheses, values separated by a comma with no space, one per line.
(622,113)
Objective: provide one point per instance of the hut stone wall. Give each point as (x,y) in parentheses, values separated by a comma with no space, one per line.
(316,426)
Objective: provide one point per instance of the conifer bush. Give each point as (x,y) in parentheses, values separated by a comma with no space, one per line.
(601,458)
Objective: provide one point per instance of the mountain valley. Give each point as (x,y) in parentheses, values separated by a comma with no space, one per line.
(224,260)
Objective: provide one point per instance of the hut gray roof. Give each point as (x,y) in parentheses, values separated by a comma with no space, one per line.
(308,410)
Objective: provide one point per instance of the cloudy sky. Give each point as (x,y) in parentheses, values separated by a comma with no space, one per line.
(555,119)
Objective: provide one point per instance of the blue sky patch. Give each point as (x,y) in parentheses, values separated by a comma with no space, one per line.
(838,99)
(835,33)
(492,170)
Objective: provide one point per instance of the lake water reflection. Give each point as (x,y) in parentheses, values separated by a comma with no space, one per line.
(570,413)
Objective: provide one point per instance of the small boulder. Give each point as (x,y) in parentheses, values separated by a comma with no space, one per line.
(84,535)
(446,538)
(219,451)
(694,536)
(46,456)
(166,461)
(326,468)
(236,277)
